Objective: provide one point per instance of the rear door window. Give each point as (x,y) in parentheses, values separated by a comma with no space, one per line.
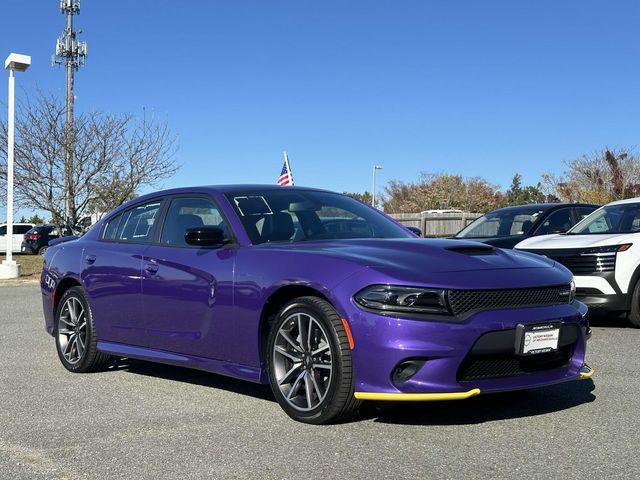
(136,224)
(111,228)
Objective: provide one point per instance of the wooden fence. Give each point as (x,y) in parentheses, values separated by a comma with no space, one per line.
(436,224)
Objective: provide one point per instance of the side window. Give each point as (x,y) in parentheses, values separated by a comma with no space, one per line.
(635,223)
(111,228)
(3,230)
(186,213)
(584,212)
(558,222)
(136,224)
(21,229)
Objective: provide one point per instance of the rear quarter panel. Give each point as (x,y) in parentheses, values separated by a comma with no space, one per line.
(60,262)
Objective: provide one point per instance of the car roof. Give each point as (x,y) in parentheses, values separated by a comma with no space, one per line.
(626,200)
(543,206)
(240,188)
(247,187)
(223,189)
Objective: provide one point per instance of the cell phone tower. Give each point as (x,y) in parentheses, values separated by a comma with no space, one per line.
(71,54)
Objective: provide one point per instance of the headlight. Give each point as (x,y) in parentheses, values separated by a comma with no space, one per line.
(607,249)
(390,298)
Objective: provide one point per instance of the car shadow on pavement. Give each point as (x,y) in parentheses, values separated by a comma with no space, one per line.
(195,377)
(486,408)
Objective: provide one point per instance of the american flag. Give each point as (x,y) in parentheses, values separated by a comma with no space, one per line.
(286,178)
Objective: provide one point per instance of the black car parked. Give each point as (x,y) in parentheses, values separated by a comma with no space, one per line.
(506,227)
(36,240)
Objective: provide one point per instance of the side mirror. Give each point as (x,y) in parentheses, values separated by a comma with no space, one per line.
(415,230)
(205,236)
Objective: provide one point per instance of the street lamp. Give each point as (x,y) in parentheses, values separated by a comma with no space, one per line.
(373,189)
(14,63)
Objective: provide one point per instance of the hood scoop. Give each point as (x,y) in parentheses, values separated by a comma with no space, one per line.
(474,251)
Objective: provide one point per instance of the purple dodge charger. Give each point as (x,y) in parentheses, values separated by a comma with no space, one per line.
(323,297)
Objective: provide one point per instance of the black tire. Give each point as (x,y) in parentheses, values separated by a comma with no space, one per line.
(90,360)
(42,250)
(634,313)
(338,402)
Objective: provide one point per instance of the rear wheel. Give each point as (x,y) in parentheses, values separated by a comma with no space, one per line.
(75,334)
(42,249)
(309,362)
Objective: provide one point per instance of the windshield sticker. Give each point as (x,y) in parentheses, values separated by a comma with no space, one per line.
(252,205)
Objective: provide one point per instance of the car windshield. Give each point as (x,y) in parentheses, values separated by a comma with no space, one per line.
(624,218)
(300,215)
(501,223)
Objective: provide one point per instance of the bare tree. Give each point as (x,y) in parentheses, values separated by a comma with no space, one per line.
(115,155)
(601,177)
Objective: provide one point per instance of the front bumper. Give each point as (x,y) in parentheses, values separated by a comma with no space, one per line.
(597,301)
(585,373)
(601,292)
(443,351)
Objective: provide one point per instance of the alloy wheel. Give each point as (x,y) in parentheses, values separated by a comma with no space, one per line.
(302,360)
(72,330)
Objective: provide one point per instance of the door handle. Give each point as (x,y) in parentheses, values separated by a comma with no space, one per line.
(90,259)
(151,268)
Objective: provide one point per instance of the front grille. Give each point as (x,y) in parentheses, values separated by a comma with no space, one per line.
(465,301)
(510,365)
(582,262)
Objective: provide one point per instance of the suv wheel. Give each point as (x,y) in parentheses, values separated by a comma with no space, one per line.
(634,314)
(43,249)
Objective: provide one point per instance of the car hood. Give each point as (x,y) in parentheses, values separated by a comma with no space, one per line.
(418,255)
(559,241)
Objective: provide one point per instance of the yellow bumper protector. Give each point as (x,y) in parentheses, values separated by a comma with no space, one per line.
(416,397)
(586,372)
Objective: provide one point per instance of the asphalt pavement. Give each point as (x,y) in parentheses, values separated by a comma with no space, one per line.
(140,420)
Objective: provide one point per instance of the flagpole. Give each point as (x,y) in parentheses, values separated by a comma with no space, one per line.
(286,160)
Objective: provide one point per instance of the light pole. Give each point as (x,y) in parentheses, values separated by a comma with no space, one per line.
(14,63)
(373,189)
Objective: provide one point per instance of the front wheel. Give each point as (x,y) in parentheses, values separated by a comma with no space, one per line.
(634,314)
(75,334)
(309,362)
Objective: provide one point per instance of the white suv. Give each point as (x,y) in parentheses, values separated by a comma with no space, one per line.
(19,229)
(603,252)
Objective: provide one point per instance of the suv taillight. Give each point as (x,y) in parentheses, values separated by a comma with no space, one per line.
(34,236)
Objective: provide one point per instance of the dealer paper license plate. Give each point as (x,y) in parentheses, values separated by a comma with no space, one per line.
(539,338)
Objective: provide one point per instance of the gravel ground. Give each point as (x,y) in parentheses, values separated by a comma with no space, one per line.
(141,420)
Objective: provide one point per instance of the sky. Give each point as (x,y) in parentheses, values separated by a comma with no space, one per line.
(477,88)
